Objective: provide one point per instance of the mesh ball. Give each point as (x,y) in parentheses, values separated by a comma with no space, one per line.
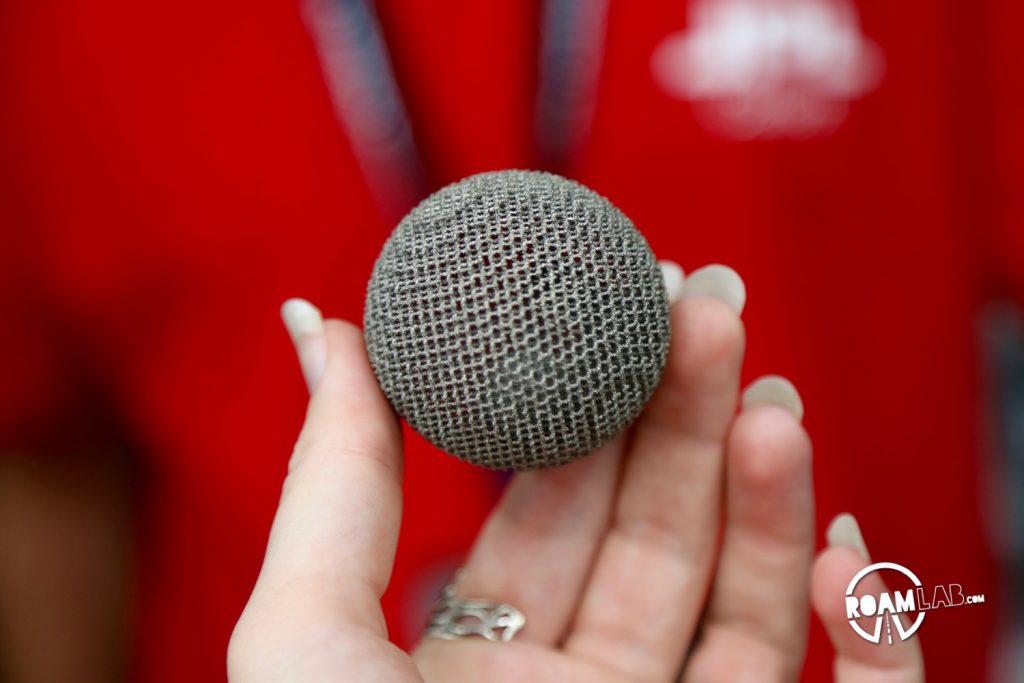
(517,320)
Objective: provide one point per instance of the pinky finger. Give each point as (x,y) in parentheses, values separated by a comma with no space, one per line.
(857,660)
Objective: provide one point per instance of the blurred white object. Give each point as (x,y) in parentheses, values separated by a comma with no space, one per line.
(769,68)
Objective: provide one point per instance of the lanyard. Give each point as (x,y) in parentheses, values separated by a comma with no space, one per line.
(367,101)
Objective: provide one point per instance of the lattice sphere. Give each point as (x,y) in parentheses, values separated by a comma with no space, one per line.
(517,320)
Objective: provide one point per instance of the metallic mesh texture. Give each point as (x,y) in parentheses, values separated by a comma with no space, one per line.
(517,320)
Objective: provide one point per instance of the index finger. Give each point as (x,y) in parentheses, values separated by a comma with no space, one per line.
(656,561)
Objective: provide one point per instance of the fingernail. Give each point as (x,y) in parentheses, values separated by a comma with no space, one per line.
(719,282)
(844,532)
(774,390)
(305,326)
(673,276)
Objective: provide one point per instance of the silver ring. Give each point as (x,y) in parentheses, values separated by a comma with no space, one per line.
(454,617)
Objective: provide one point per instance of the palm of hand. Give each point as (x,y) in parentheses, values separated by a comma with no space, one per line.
(683,548)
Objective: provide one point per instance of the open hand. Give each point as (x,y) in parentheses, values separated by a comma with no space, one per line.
(680,551)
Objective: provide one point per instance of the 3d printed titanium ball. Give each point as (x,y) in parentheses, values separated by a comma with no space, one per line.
(517,320)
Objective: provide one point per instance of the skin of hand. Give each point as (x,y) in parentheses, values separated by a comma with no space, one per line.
(683,550)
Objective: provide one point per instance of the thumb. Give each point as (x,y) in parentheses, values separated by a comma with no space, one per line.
(336,527)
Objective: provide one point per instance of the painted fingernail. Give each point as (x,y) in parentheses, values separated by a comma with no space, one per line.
(673,276)
(774,390)
(720,282)
(844,532)
(305,326)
